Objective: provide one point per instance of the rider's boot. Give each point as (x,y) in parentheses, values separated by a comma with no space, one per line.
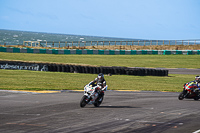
(197,93)
(101,94)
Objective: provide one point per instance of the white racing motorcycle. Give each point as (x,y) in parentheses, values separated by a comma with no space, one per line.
(91,96)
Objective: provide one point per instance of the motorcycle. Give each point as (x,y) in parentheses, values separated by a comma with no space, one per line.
(189,94)
(92,95)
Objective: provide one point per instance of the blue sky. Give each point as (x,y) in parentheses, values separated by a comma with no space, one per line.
(136,19)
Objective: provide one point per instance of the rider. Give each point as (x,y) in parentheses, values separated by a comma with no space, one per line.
(100,81)
(193,85)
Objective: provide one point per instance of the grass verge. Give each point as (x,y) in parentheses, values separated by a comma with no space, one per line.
(37,80)
(153,61)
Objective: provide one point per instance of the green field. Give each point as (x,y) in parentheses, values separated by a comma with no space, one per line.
(36,80)
(153,61)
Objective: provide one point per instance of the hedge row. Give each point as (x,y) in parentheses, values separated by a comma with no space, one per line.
(107,70)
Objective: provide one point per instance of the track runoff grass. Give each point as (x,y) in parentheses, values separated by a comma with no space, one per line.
(34,80)
(152,61)
(37,80)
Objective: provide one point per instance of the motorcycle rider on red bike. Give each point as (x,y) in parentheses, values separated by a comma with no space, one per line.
(101,82)
(193,85)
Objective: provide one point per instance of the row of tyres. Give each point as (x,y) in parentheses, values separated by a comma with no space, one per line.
(38,66)
(107,70)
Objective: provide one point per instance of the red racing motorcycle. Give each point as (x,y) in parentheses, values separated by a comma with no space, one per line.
(189,94)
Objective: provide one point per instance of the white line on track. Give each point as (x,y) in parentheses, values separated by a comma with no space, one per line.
(198,131)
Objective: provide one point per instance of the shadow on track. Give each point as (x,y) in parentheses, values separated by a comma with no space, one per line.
(117,107)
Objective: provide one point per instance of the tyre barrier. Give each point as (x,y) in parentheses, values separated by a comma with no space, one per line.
(37,66)
(107,70)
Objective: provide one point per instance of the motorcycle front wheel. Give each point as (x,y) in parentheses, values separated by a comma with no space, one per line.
(83,101)
(181,96)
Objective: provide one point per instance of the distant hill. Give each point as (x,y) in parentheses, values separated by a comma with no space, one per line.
(14,37)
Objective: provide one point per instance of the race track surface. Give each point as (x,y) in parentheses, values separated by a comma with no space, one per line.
(120,112)
(183,71)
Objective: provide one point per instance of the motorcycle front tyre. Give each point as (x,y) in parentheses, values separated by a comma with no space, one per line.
(83,101)
(181,96)
(98,101)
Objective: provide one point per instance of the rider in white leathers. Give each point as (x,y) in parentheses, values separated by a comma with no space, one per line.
(99,81)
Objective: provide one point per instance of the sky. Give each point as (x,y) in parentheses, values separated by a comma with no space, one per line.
(135,19)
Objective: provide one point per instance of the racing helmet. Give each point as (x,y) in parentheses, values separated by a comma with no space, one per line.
(197,79)
(100,77)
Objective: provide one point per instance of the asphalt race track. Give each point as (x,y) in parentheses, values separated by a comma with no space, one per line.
(183,71)
(120,112)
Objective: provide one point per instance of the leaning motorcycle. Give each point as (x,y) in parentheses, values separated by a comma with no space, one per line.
(189,94)
(92,95)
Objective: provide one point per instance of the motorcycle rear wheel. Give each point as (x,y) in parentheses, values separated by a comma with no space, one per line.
(196,98)
(181,96)
(98,101)
(83,101)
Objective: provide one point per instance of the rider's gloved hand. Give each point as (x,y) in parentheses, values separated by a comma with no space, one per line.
(100,87)
(104,88)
